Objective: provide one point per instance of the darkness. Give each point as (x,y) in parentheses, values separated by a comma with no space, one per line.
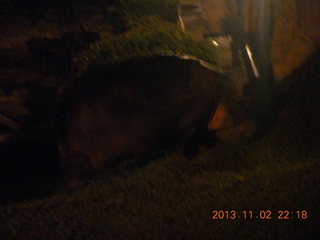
(27,162)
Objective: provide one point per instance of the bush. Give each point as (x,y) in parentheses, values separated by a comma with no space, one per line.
(148,36)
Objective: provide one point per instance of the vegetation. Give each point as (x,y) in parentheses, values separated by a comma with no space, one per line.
(150,29)
(148,37)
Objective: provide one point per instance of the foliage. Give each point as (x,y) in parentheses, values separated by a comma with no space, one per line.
(147,28)
(127,12)
(148,37)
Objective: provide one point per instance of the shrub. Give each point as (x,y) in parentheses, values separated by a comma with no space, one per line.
(148,36)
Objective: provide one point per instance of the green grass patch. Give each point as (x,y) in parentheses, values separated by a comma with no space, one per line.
(149,28)
(148,37)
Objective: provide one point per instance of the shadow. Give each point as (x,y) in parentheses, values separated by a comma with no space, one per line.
(55,55)
(303,79)
(29,168)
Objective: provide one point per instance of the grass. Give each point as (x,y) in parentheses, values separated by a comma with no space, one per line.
(150,36)
(170,198)
(149,28)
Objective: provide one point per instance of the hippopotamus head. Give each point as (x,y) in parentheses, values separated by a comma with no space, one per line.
(231,123)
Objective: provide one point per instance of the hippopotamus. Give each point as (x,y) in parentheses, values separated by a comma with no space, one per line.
(136,106)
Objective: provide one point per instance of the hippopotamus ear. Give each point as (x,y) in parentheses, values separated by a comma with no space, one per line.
(229,129)
(220,119)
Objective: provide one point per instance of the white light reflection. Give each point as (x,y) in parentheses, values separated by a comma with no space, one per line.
(215,43)
(253,64)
